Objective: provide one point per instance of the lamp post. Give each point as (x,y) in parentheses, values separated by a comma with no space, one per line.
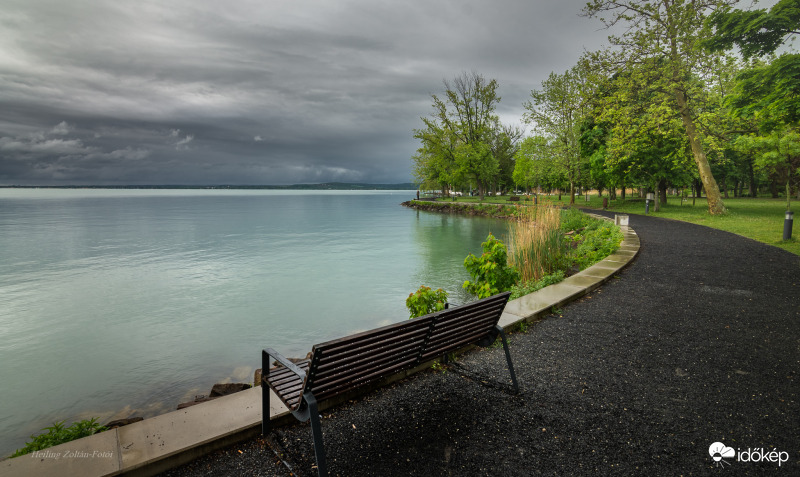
(650,197)
(787,225)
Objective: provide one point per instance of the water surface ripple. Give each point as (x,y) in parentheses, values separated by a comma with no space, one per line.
(127,302)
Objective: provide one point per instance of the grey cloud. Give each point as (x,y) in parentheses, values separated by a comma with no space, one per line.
(193,92)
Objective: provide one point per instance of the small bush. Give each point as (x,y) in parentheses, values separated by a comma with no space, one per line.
(59,434)
(490,271)
(425,301)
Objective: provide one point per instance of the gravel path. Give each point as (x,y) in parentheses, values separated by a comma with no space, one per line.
(696,342)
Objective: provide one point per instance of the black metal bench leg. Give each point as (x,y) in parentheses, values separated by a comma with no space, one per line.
(265,409)
(316,434)
(508,358)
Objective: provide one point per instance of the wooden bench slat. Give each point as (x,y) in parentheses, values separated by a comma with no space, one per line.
(277,376)
(444,341)
(326,356)
(446,334)
(388,361)
(347,383)
(287,385)
(372,359)
(452,346)
(328,362)
(368,338)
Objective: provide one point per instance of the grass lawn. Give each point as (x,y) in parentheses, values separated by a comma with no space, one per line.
(759,219)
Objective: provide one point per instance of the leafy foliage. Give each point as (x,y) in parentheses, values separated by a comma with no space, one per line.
(597,241)
(777,153)
(425,300)
(523,289)
(755,32)
(59,434)
(594,240)
(490,271)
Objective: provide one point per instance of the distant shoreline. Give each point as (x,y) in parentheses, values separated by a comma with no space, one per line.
(320,186)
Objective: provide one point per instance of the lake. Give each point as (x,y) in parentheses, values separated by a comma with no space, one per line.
(128,302)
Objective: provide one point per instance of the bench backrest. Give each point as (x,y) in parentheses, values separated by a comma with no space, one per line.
(344,364)
(467,324)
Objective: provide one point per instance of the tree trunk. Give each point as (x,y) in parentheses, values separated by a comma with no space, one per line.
(571,193)
(788,193)
(662,191)
(715,204)
(752,174)
(657,200)
(773,189)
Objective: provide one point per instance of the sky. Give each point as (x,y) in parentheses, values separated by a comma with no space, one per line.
(197,92)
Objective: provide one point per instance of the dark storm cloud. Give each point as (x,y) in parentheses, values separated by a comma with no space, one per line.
(195,92)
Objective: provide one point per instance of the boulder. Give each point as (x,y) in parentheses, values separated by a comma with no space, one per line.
(123,422)
(294,360)
(197,400)
(227,388)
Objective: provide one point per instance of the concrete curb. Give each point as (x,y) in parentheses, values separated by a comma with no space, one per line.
(160,443)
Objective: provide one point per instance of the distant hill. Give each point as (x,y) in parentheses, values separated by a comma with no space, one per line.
(322,186)
(348,186)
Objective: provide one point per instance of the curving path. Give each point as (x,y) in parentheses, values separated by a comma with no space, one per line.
(696,342)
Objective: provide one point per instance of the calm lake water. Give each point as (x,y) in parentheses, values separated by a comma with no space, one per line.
(127,302)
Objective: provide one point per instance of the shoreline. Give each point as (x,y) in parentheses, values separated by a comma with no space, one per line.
(495,211)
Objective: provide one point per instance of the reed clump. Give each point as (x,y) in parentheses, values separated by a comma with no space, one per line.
(537,244)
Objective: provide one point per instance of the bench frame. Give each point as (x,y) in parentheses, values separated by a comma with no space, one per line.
(340,366)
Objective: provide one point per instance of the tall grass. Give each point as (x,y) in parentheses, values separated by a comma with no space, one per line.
(536,242)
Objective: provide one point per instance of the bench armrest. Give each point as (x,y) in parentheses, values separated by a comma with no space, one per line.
(284,361)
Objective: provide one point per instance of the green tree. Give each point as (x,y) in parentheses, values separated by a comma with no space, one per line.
(644,143)
(505,144)
(535,164)
(664,36)
(777,153)
(556,111)
(766,93)
(593,139)
(463,128)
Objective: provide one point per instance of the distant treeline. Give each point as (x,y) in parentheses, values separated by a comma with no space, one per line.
(322,186)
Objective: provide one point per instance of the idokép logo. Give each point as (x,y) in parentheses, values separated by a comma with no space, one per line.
(719,452)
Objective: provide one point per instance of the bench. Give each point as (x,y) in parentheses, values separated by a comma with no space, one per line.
(343,365)
(514,198)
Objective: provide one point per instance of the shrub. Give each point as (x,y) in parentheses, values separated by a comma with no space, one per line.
(425,301)
(574,219)
(490,271)
(59,434)
(596,243)
(525,288)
